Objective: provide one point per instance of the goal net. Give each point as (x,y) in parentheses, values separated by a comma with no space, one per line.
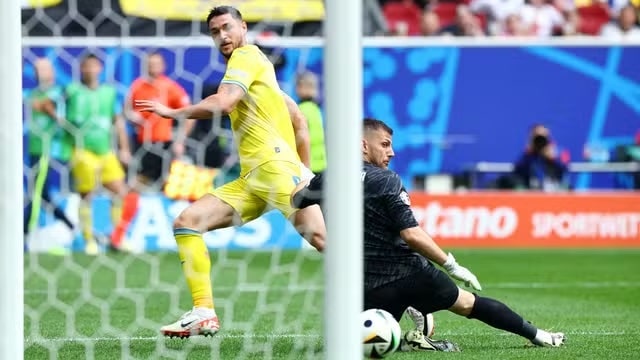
(267,284)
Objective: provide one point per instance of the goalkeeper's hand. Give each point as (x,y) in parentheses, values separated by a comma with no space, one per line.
(461,273)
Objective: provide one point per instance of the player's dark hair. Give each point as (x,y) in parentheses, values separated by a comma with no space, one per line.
(370,124)
(222,10)
(89,56)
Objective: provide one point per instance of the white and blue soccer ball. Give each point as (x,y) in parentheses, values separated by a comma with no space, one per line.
(381,333)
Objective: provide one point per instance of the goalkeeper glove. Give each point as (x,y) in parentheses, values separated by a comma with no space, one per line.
(461,273)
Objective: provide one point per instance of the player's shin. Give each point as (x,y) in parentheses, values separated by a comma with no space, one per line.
(122,213)
(196,266)
(85,216)
(500,316)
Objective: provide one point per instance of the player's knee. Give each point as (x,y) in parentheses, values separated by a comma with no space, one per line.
(318,243)
(315,237)
(464,303)
(186,220)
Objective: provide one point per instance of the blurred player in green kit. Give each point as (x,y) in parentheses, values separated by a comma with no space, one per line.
(49,145)
(307,90)
(93,113)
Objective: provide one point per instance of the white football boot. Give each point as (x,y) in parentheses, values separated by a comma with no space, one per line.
(198,321)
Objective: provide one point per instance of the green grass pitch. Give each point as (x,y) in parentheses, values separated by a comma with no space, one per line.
(271,303)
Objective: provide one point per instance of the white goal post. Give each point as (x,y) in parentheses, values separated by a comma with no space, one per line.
(11,267)
(343,262)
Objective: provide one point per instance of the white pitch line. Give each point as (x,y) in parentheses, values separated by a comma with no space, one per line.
(158,338)
(555,285)
(298,288)
(285,336)
(162,289)
(570,333)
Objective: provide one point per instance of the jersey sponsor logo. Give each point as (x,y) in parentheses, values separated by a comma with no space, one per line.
(586,224)
(467,221)
(530,220)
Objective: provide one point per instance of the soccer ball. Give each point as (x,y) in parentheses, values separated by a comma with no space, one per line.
(381,333)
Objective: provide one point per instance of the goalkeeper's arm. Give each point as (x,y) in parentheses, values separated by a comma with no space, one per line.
(308,192)
(422,243)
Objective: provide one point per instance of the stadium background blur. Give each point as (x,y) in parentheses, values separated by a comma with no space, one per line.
(463,94)
(462,107)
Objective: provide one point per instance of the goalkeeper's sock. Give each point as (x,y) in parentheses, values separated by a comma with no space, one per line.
(196,266)
(86,220)
(500,316)
(417,318)
(122,213)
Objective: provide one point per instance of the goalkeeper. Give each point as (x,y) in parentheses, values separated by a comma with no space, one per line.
(398,254)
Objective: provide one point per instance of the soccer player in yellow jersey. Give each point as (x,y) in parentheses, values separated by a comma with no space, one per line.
(273,146)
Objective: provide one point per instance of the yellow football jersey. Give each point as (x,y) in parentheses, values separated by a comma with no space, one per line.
(260,122)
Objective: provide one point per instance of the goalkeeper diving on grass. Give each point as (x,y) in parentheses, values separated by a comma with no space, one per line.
(399,255)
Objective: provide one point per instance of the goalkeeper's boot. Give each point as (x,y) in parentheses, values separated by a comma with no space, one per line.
(198,321)
(549,339)
(416,341)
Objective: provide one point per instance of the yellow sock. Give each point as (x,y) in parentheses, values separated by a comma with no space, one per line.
(86,220)
(116,210)
(196,266)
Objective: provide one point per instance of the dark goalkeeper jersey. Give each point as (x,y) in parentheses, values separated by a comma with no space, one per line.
(387,211)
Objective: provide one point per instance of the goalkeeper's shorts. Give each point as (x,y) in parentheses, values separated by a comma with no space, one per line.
(428,290)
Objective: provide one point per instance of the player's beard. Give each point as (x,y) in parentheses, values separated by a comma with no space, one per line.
(227,55)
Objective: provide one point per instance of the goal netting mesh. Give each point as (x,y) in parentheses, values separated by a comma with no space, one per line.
(267,284)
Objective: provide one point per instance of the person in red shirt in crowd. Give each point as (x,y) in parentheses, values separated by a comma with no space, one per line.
(403,17)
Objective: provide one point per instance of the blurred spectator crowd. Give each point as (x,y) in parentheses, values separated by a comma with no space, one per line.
(612,19)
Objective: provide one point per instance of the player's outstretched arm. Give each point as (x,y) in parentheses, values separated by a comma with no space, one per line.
(123,139)
(301,130)
(223,102)
(421,242)
(129,112)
